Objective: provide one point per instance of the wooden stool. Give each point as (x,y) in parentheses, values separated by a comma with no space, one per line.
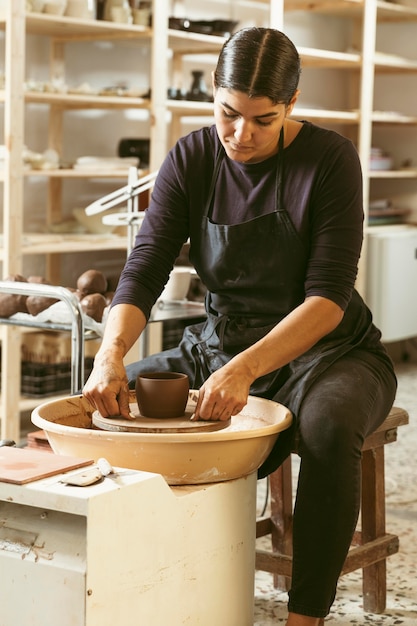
(371,545)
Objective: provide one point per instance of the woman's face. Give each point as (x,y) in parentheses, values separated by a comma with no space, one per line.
(248,128)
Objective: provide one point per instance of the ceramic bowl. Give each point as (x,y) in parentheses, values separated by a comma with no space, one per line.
(181,458)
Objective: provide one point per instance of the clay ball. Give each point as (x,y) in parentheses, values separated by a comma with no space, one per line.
(36,304)
(11,303)
(93,305)
(91,281)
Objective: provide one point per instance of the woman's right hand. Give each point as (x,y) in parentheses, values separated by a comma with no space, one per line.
(107,386)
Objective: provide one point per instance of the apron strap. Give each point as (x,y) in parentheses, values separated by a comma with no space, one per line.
(279,176)
(217,162)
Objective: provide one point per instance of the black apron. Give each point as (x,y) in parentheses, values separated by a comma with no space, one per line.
(255,268)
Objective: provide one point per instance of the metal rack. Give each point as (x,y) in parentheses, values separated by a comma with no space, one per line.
(129,194)
(76,327)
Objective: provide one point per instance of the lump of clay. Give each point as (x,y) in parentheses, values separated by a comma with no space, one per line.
(91,281)
(11,303)
(109,295)
(36,304)
(93,305)
(41,280)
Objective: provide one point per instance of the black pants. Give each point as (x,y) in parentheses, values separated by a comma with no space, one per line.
(333,413)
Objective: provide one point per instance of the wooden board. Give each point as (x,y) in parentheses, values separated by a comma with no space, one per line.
(152,425)
(20,466)
(38,440)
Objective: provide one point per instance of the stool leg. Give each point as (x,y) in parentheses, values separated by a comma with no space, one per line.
(374,582)
(281,516)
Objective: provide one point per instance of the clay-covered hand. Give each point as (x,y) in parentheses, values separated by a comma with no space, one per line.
(107,387)
(224,394)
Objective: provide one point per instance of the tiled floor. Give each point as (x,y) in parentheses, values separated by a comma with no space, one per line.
(401,488)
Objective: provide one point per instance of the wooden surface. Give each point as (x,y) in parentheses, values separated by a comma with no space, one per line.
(19,465)
(152,425)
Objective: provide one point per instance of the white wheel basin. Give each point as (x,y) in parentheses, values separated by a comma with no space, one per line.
(182,458)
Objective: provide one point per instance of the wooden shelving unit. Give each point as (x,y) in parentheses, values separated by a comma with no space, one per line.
(363,68)
(15,99)
(360,67)
(370,123)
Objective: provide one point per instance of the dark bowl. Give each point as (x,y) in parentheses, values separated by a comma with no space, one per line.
(220,28)
(178,23)
(224,28)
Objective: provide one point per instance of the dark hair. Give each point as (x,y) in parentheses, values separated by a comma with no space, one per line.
(260,62)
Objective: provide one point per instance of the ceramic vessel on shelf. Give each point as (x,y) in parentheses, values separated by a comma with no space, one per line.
(380,160)
(55,7)
(198,90)
(118,11)
(141,12)
(81,9)
(36,6)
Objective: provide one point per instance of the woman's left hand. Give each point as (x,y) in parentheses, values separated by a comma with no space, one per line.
(225,393)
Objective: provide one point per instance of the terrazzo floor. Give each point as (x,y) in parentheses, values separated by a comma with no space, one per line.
(401,514)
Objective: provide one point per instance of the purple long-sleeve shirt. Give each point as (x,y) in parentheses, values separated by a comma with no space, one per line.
(322,196)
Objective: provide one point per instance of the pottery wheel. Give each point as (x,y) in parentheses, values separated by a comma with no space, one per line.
(143,424)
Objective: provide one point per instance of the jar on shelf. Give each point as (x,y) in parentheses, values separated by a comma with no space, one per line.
(118,11)
(198,90)
(81,9)
(141,12)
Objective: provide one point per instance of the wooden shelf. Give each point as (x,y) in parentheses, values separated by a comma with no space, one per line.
(68,28)
(189,107)
(85,101)
(91,174)
(84,173)
(332,7)
(387,11)
(323,115)
(400,174)
(183,42)
(34,243)
(396,64)
(312,57)
(393,117)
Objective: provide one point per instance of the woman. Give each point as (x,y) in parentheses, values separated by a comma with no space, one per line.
(273,210)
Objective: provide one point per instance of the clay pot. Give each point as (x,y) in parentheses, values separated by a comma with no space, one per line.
(162,394)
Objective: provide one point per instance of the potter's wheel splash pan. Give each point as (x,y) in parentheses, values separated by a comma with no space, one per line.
(183,458)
